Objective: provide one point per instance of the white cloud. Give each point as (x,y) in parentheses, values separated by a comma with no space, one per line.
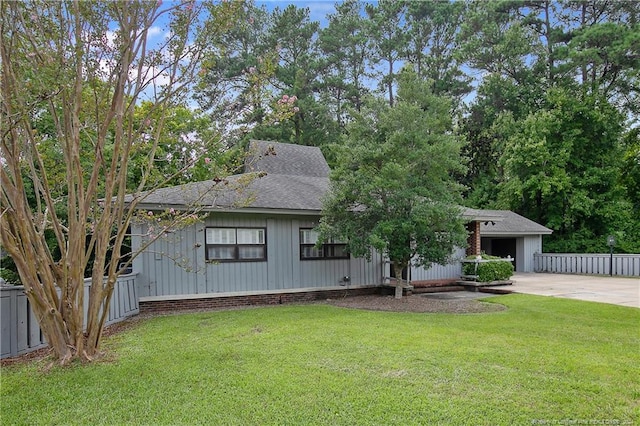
(111,38)
(154,31)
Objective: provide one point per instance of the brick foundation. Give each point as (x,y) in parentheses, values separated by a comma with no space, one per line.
(434,283)
(253,300)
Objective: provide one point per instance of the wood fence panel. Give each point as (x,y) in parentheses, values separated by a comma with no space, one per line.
(19,329)
(18,326)
(626,265)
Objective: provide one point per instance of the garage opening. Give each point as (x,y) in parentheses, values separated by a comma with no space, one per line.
(502,247)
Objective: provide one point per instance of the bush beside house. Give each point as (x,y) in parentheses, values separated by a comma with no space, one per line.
(487,268)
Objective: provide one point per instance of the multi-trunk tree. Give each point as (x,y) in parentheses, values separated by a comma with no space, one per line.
(73,74)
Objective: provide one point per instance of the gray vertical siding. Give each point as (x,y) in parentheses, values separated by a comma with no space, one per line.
(124,301)
(521,257)
(318,272)
(364,272)
(323,273)
(163,273)
(527,246)
(232,277)
(280,251)
(160,276)
(171,265)
(440,272)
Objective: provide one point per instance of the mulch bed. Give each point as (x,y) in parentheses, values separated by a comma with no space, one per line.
(416,303)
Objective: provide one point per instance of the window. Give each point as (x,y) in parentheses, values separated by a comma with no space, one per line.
(332,249)
(236,244)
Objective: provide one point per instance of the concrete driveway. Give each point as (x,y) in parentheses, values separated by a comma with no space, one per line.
(605,289)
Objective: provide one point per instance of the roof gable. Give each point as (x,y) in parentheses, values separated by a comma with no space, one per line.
(286,159)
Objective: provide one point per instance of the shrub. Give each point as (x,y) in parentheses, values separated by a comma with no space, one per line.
(9,276)
(495,269)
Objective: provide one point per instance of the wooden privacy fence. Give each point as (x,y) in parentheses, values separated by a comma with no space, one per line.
(627,265)
(19,329)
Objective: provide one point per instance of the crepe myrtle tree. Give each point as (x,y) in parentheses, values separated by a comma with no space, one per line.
(84,67)
(393,188)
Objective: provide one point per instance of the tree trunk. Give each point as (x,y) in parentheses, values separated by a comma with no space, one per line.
(53,328)
(390,82)
(90,123)
(397,271)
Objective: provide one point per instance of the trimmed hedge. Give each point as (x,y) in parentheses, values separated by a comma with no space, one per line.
(498,270)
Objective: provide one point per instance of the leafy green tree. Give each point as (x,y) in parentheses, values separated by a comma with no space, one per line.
(388,41)
(561,169)
(542,18)
(629,241)
(494,41)
(496,96)
(188,149)
(232,85)
(433,45)
(631,167)
(608,55)
(392,190)
(293,37)
(343,66)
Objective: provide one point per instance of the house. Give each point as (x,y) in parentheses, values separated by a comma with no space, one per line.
(256,243)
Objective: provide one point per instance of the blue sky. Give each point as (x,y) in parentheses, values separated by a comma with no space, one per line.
(318,9)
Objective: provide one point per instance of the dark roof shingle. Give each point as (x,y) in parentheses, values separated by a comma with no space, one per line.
(286,159)
(511,224)
(278,176)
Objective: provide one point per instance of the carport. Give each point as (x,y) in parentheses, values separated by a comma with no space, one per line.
(514,236)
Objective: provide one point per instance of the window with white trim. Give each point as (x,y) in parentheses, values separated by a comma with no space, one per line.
(236,244)
(331,249)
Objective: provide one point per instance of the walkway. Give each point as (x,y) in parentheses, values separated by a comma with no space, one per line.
(604,289)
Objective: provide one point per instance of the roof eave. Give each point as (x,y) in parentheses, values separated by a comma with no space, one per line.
(211,209)
(482,217)
(487,218)
(516,233)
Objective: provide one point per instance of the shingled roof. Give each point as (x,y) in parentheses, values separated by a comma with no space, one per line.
(278,176)
(286,159)
(511,224)
(286,178)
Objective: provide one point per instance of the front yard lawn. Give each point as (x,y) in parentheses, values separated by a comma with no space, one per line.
(542,361)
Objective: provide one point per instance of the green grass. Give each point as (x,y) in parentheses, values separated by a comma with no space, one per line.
(542,359)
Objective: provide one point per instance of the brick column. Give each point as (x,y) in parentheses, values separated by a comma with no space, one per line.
(473,241)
